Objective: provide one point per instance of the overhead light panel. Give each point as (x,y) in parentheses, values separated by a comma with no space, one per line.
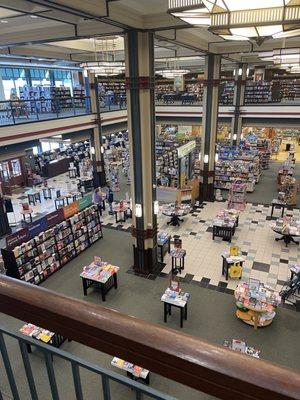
(241,20)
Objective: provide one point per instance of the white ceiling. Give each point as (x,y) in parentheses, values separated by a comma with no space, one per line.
(60,29)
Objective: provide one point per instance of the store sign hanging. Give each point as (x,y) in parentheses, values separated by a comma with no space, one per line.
(55,217)
(84,202)
(37,226)
(186,149)
(70,209)
(17,238)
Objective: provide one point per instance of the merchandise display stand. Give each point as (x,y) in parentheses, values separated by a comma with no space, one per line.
(241,347)
(279,205)
(288,228)
(237,196)
(50,249)
(133,371)
(225,223)
(43,335)
(164,245)
(101,274)
(178,299)
(256,303)
(175,211)
(177,254)
(230,261)
(33,196)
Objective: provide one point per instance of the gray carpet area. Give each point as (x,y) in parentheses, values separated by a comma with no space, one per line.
(211,316)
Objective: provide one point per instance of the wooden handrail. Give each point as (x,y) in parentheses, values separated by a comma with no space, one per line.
(183,358)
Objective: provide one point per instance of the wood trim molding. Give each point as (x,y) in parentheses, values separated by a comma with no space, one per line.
(184,358)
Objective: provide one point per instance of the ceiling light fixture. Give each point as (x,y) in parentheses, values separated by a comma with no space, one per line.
(104,64)
(241,20)
(171,73)
(4,21)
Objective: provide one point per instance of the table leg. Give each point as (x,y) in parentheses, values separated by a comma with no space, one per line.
(165,312)
(183,262)
(272,210)
(181,317)
(185,316)
(102,289)
(84,284)
(172,265)
(256,317)
(282,212)
(115,281)
(30,217)
(227,271)
(116,217)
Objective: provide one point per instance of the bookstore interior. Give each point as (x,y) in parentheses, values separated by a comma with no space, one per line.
(233,261)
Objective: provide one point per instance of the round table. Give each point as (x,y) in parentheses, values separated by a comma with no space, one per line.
(287,237)
(175,214)
(252,316)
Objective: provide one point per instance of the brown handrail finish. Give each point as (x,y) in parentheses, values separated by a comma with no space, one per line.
(183,358)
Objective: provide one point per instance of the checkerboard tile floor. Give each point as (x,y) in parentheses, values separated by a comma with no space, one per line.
(266,259)
(61,182)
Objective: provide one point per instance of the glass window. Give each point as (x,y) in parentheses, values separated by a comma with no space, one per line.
(35,150)
(4,171)
(16,167)
(45,146)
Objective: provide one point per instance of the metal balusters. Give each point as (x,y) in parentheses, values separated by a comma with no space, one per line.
(8,369)
(51,374)
(105,387)
(28,370)
(77,381)
(138,395)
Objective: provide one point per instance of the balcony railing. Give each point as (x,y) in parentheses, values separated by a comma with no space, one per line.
(22,111)
(183,358)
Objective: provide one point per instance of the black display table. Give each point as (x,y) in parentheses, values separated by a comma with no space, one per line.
(279,205)
(164,248)
(168,308)
(226,265)
(225,232)
(104,287)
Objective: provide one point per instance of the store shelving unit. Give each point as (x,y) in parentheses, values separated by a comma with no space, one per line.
(38,258)
(257,92)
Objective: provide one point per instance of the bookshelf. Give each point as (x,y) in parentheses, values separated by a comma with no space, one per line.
(49,250)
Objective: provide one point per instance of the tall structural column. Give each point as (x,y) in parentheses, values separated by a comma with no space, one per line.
(210,126)
(96,142)
(139,61)
(238,101)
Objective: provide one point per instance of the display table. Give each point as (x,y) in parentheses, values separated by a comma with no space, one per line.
(256,303)
(288,228)
(120,210)
(229,261)
(175,299)
(175,211)
(47,192)
(241,347)
(87,183)
(43,335)
(278,204)
(103,276)
(164,245)
(33,196)
(27,213)
(60,202)
(72,172)
(177,254)
(133,371)
(225,223)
